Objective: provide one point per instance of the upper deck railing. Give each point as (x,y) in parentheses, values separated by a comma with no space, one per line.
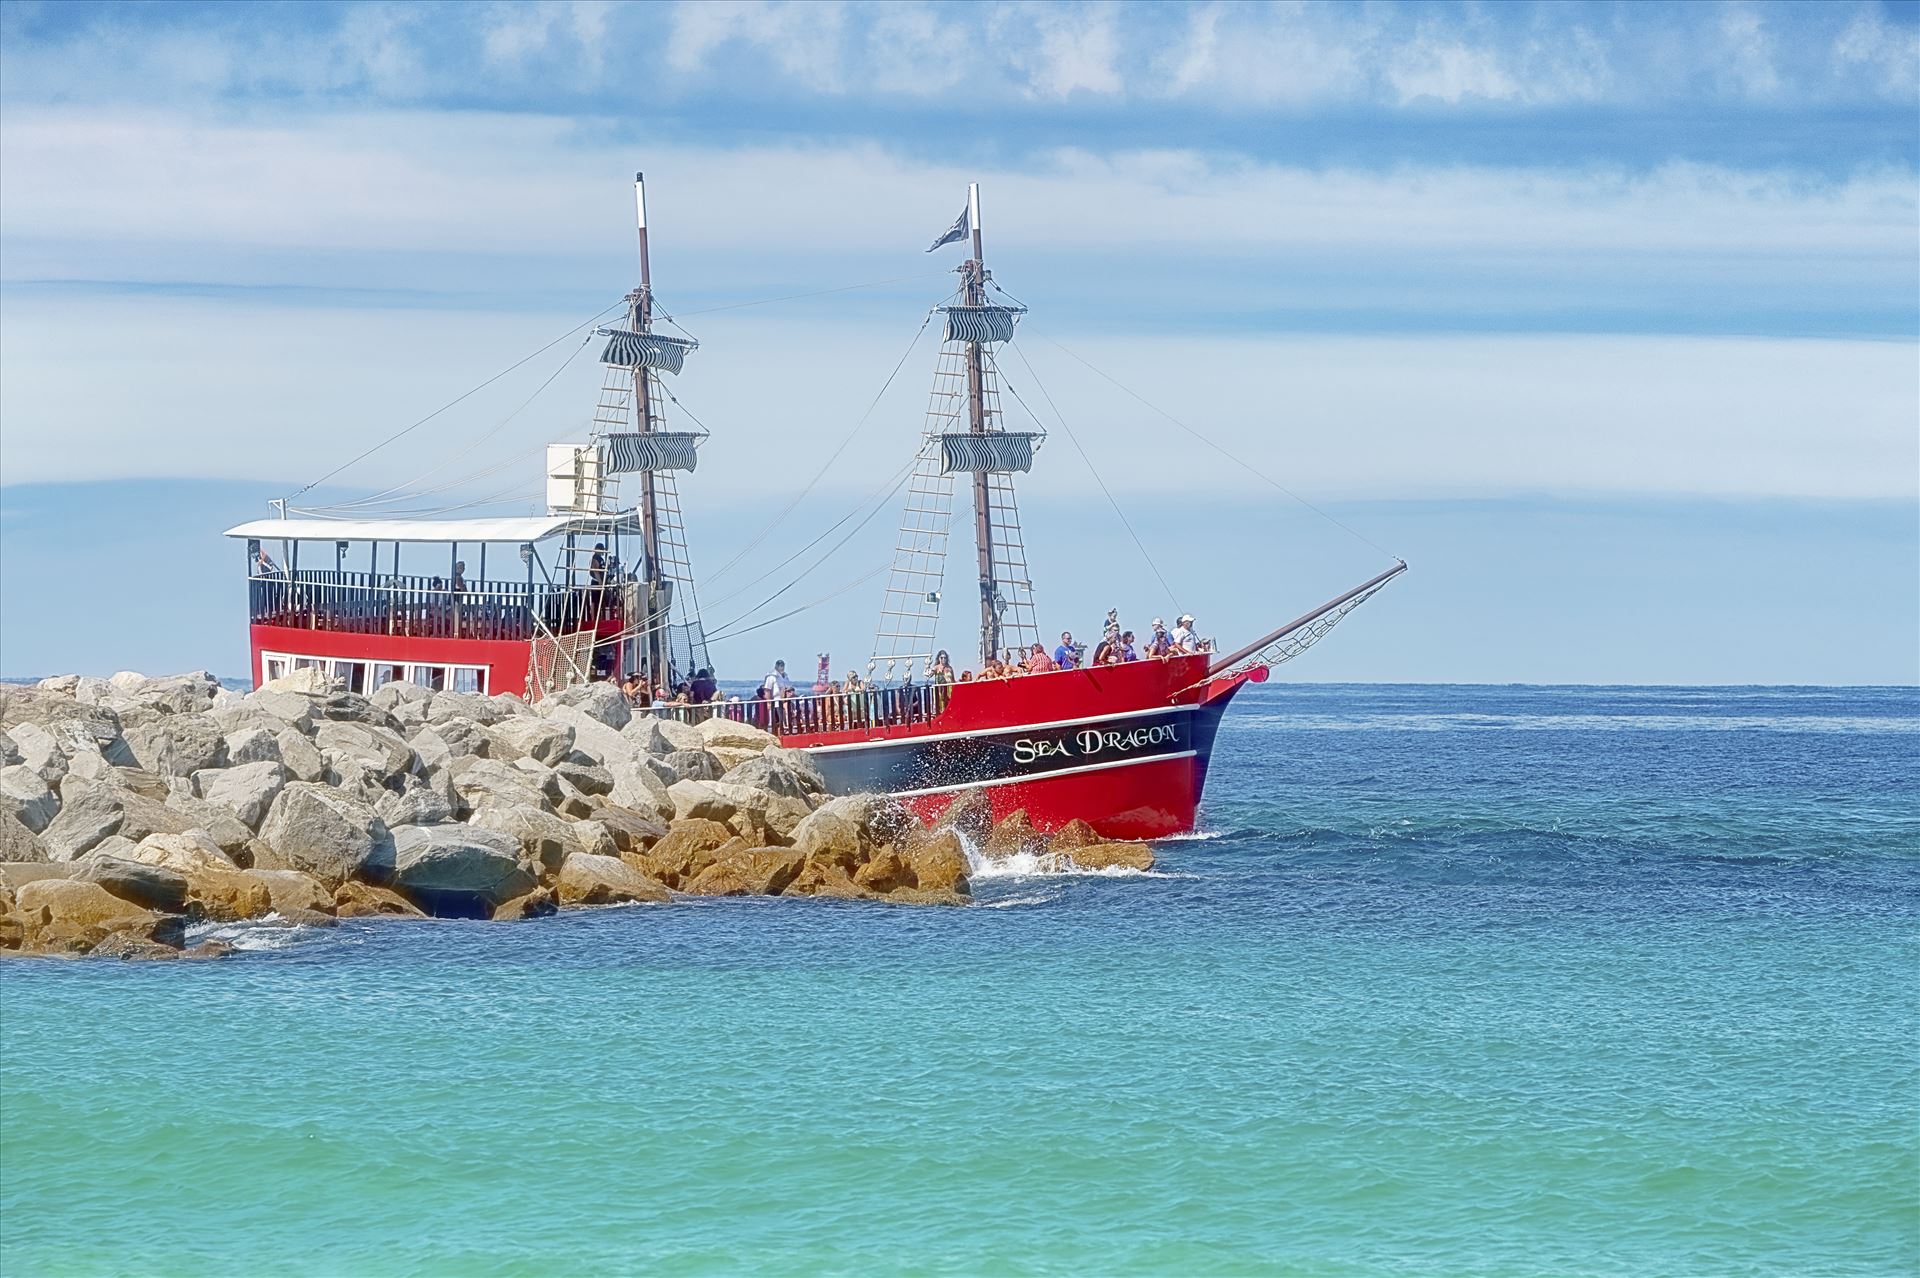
(805,714)
(428,607)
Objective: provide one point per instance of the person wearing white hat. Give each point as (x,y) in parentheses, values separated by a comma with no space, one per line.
(1159,644)
(1184,638)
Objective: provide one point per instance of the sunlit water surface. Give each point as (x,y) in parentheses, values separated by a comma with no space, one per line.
(1456,980)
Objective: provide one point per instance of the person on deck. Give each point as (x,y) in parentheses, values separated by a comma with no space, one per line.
(941,671)
(704,685)
(1127,651)
(990,669)
(1038,662)
(634,688)
(459,586)
(1185,639)
(1161,643)
(776,682)
(1067,655)
(597,566)
(263,565)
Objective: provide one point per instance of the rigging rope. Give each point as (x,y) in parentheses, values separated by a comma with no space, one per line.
(457,399)
(828,465)
(877,498)
(761,625)
(1091,468)
(1248,466)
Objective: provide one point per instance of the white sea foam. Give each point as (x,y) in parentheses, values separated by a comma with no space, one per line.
(269,932)
(1194,836)
(1012,901)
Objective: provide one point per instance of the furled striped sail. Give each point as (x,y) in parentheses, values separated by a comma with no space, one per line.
(981,323)
(987,454)
(628,349)
(661,450)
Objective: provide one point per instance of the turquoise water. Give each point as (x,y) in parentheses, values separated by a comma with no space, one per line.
(1461,980)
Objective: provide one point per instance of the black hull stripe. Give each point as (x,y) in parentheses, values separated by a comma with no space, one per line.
(1045,776)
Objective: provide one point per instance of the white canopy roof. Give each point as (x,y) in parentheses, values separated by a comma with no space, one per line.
(522,528)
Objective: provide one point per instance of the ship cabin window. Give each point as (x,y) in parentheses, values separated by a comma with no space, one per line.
(368,676)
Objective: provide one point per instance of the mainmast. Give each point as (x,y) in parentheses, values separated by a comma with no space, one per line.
(975,275)
(640,302)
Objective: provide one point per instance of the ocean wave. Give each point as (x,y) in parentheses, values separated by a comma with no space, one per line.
(269,932)
(1045,898)
(1193,836)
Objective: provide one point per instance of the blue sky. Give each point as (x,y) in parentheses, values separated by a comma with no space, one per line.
(1635,283)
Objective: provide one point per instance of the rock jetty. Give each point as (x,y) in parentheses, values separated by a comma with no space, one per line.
(133,807)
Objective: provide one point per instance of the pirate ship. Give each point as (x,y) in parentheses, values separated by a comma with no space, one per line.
(600,586)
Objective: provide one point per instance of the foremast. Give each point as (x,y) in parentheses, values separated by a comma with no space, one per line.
(964,434)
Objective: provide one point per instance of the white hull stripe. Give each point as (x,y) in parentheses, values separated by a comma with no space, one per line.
(876,742)
(1043,776)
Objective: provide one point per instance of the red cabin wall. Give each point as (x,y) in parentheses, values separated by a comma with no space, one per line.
(505,660)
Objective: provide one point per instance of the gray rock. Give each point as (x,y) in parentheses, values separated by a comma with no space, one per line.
(459,871)
(218,822)
(691,765)
(509,704)
(593,738)
(175,744)
(771,775)
(248,790)
(351,707)
(801,763)
(319,832)
(252,745)
(634,786)
(9,750)
(543,838)
(91,811)
(658,766)
(600,701)
(40,750)
(390,696)
(18,843)
(419,802)
(174,694)
(727,733)
(56,713)
(664,736)
(464,738)
(294,708)
(530,737)
(152,887)
(67,684)
(488,781)
(299,756)
(25,797)
(385,751)
(465,705)
(585,778)
(432,750)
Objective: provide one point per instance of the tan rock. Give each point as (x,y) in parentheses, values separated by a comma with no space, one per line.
(731,734)
(887,871)
(66,915)
(533,905)
(290,890)
(970,814)
(586,879)
(1101,856)
(828,878)
(828,837)
(355,900)
(1074,834)
(216,887)
(686,849)
(1013,836)
(760,871)
(631,831)
(938,862)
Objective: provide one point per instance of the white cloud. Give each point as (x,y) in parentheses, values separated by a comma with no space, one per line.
(1058,51)
(1748,43)
(800,37)
(1886,55)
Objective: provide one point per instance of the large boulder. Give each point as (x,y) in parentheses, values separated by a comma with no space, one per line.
(300,757)
(685,850)
(664,736)
(630,830)
(320,832)
(774,775)
(748,872)
(25,796)
(879,818)
(248,790)
(228,831)
(179,694)
(484,782)
(391,696)
(253,744)
(308,681)
(290,891)
(418,801)
(538,903)
(18,843)
(541,837)
(175,744)
(1108,856)
(829,837)
(297,709)
(350,707)
(593,738)
(587,778)
(151,887)
(687,765)
(91,811)
(466,705)
(761,815)
(384,751)
(356,900)
(601,701)
(459,871)
(34,746)
(216,887)
(938,862)
(970,815)
(1074,834)
(586,879)
(733,735)
(71,916)
(1013,836)
(528,737)
(62,716)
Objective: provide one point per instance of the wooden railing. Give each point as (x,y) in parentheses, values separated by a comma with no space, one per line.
(363,603)
(820,712)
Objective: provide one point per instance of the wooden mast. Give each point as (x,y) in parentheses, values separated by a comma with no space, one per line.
(976,281)
(655,638)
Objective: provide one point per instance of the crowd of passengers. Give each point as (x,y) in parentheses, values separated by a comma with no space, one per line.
(854,702)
